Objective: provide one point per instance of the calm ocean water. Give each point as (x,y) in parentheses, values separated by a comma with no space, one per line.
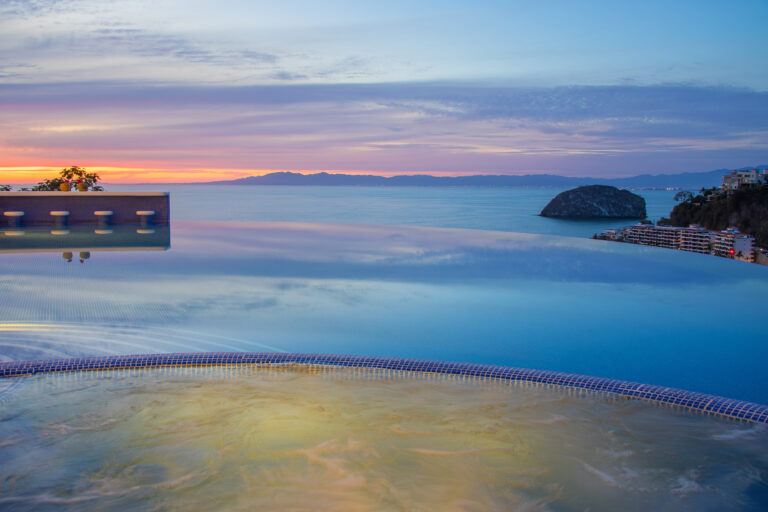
(502,209)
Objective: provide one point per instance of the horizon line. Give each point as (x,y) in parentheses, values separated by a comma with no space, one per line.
(256,173)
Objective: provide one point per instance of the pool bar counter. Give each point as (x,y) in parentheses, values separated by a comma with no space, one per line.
(40,208)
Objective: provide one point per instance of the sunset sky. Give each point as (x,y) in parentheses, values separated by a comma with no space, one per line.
(193,90)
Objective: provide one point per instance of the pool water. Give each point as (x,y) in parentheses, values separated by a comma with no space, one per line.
(308,438)
(304,438)
(533,301)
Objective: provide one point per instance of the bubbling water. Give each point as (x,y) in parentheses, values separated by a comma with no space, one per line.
(303,438)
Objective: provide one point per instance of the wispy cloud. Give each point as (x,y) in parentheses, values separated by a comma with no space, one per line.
(28,8)
(393,87)
(148,44)
(434,127)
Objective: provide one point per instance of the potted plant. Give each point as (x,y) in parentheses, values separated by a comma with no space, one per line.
(82,179)
(69,177)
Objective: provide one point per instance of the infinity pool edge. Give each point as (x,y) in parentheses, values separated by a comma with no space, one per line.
(700,402)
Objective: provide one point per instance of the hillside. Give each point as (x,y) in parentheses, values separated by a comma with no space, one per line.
(747,209)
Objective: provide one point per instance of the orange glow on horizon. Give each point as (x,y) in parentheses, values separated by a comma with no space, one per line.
(32,174)
(108,174)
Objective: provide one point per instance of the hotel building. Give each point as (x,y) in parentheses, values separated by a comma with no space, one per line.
(735,179)
(696,239)
(731,243)
(658,236)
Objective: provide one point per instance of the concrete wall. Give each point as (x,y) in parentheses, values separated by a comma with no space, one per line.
(81,205)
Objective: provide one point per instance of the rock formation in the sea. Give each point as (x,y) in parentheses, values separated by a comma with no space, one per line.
(595,201)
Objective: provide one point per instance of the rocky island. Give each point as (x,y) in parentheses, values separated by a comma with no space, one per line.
(595,201)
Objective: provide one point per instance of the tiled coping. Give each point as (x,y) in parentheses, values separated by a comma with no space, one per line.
(712,404)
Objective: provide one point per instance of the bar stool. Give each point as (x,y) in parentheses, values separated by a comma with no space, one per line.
(145,216)
(60,216)
(104,216)
(14,218)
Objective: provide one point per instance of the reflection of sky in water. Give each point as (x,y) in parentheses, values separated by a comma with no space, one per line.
(583,306)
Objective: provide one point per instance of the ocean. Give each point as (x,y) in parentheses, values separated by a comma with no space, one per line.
(500,209)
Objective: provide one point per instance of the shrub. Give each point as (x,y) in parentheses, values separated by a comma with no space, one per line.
(71,175)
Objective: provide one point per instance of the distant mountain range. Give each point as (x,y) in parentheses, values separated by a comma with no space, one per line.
(690,180)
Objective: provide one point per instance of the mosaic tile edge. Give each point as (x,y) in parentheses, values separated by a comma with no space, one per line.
(700,402)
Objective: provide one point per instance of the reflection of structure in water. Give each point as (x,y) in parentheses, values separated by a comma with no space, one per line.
(83,239)
(84,255)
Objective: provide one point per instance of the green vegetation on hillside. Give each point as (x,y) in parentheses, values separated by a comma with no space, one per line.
(746,209)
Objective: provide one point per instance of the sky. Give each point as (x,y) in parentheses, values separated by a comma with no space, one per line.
(193,90)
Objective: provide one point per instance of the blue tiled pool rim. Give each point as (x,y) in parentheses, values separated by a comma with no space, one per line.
(701,402)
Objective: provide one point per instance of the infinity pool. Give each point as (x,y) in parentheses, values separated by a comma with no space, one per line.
(293,437)
(534,301)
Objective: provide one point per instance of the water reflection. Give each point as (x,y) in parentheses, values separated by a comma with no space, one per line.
(84,238)
(536,301)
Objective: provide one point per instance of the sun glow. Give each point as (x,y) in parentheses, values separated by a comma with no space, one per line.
(30,175)
(109,174)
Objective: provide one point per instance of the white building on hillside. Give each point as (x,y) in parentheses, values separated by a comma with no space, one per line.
(731,243)
(696,239)
(735,179)
(658,236)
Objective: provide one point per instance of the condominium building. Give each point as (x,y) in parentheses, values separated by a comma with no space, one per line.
(696,239)
(658,236)
(735,179)
(731,243)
